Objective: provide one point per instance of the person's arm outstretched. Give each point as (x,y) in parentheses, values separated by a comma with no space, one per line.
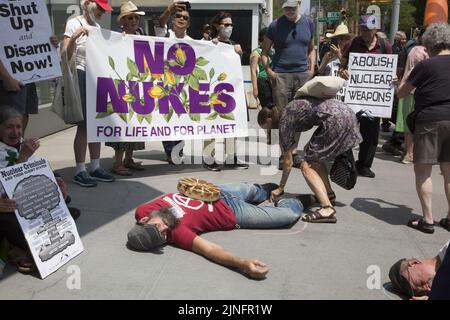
(255,269)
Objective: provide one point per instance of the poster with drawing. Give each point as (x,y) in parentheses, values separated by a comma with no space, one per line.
(42,213)
(26,51)
(340,95)
(369,86)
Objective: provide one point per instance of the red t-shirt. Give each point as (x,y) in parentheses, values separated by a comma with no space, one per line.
(195,217)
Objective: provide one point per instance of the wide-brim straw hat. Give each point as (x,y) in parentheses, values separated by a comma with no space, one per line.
(128,8)
(341,30)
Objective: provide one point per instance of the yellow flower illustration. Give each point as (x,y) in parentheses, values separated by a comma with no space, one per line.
(180,56)
(156,92)
(222,76)
(170,78)
(157,76)
(128,98)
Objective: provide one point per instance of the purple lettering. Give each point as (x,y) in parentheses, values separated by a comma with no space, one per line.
(105,88)
(188,55)
(195,98)
(230,103)
(149,102)
(142,52)
(174,100)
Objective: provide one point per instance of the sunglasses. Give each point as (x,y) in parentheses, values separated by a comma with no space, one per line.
(226,25)
(181,16)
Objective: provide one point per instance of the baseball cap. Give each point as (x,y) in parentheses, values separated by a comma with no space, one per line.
(145,238)
(369,21)
(399,282)
(290,4)
(103,4)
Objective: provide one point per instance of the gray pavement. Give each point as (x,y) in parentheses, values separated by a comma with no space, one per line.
(308,261)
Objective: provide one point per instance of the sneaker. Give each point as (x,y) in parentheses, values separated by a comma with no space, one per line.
(211,167)
(365,172)
(236,164)
(74,212)
(407,160)
(84,180)
(391,149)
(100,174)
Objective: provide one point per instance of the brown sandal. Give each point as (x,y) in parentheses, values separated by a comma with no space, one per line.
(133,165)
(317,217)
(121,171)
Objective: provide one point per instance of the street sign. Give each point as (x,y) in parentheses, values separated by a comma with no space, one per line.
(333,19)
(333,14)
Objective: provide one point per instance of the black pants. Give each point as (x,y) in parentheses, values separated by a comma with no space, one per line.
(370,131)
(10,229)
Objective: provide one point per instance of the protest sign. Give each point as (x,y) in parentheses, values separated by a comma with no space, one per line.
(49,229)
(369,86)
(147,88)
(26,51)
(340,96)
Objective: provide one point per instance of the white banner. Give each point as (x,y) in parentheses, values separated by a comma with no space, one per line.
(369,86)
(25,31)
(42,213)
(147,88)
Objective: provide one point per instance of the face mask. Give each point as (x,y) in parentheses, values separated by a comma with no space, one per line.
(226,32)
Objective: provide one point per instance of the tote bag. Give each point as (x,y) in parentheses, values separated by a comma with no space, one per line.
(67,101)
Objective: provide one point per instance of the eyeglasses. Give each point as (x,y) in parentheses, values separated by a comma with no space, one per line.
(132,17)
(226,24)
(181,16)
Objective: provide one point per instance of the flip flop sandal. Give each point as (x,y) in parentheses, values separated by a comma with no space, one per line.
(421,225)
(317,217)
(445,223)
(121,171)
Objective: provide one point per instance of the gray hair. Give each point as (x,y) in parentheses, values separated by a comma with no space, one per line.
(7,112)
(166,216)
(437,37)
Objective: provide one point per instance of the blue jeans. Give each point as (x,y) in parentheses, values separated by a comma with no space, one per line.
(244,199)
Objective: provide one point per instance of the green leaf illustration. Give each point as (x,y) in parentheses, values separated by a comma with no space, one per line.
(227,116)
(212,72)
(183,96)
(193,83)
(116,83)
(169,115)
(123,116)
(128,98)
(148,118)
(212,116)
(200,74)
(201,62)
(111,62)
(109,111)
(140,118)
(133,68)
(194,116)
(222,76)
(173,63)
(129,76)
(130,113)
(143,77)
